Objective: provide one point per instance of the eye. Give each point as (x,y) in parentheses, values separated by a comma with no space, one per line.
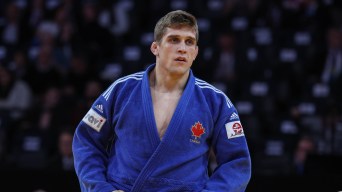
(190,42)
(174,40)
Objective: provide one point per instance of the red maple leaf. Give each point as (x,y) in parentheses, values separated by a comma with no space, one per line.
(197,130)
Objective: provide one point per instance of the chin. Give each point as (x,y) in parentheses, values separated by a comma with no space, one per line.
(180,70)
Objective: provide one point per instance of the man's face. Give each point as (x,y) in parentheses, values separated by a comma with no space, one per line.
(177,50)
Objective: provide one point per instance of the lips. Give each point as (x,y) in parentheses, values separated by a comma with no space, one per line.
(182,59)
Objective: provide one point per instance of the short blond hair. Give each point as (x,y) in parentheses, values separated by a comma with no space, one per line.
(175,19)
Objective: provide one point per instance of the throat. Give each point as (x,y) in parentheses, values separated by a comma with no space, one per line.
(166,83)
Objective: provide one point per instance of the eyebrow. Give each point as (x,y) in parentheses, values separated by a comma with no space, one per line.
(177,36)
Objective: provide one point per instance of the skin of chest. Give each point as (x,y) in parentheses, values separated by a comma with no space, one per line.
(164,105)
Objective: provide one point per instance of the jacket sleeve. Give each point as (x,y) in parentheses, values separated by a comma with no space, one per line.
(92,137)
(233,169)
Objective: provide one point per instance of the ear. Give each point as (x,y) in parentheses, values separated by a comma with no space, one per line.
(154,48)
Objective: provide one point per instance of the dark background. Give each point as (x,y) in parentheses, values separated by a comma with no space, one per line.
(272,59)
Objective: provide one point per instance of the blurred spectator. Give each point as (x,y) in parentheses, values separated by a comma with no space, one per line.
(45,35)
(93,89)
(97,42)
(44,72)
(65,40)
(226,69)
(304,14)
(28,147)
(20,64)
(35,13)
(15,94)
(226,62)
(48,115)
(47,38)
(222,14)
(16,98)
(63,159)
(331,119)
(305,147)
(332,67)
(79,73)
(12,31)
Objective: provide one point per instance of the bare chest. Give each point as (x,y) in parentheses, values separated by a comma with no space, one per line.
(164,106)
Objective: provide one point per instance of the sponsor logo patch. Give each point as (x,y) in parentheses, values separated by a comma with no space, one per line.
(94,120)
(234,129)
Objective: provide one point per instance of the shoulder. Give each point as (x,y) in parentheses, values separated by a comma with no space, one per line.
(135,76)
(131,79)
(212,93)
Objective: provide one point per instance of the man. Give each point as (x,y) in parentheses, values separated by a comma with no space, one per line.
(63,159)
(153,130)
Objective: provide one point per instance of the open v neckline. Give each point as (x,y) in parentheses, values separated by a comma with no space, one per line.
(176,116)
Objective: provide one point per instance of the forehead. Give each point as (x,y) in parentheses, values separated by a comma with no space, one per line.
(186,32)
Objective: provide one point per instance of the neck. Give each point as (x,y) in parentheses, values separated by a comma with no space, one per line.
(166,82)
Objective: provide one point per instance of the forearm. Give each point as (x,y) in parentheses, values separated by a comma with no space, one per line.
(90,162)
(233,176)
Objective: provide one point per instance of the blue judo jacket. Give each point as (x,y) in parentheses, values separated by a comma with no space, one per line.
(116,145)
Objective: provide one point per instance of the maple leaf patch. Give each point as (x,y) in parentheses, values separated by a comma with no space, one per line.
(197,130)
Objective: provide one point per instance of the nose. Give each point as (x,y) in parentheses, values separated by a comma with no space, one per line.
(182,47)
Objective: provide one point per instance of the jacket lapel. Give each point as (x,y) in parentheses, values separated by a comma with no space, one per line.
(175,124)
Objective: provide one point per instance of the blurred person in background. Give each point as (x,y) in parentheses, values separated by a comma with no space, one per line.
(79,74)
(15,94)
(227,63)
(44,72)
(44,118)
(97,43)
(33,139)
(12,31)
(63,159)
(20,64)
(304,148)
(153,130)
(15,100)
(90,92)
(29,147)
(332,66)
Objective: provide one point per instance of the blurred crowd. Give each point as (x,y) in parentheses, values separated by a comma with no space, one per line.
(280,62)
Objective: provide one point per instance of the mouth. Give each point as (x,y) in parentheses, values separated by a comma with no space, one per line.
(181,59)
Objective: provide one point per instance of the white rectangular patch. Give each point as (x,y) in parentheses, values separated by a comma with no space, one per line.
(234,129)
(94,120)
